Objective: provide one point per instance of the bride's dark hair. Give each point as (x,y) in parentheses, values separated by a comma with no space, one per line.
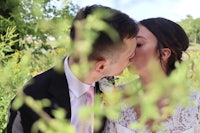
(169,35)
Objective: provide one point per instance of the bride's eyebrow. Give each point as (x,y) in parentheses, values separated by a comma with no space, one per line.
(141,37)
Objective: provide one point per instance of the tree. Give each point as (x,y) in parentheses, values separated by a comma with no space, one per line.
(36,21)
(21,58)
(192,28)
(29,16)
(196,30)
(7,7)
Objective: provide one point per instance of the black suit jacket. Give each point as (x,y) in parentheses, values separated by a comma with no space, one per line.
(52,85)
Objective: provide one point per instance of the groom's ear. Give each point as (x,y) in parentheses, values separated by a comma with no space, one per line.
(100,65)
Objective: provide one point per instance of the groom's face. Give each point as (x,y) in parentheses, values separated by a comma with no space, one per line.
(123,58)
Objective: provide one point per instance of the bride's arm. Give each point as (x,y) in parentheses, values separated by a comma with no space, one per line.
(197,128)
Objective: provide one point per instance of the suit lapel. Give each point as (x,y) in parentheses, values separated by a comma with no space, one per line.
(103,119)
(59,90)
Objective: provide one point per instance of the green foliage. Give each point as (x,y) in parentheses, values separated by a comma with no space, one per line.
(31,23)
(31,41)
(41,19)
(13,76)
(32,13)
(6,42)
(17,68)
(192,28)
(4,24)
(7,7)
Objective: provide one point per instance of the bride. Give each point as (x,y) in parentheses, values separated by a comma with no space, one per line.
(161,41)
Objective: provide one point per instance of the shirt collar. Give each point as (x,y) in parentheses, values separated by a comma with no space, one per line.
(77,87)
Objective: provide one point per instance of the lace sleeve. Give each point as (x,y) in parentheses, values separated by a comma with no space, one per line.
(128,116)
(184,119)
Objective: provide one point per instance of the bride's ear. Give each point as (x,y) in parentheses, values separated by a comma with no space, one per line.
(165,53)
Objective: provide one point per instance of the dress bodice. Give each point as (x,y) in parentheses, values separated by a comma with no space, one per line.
(184,119)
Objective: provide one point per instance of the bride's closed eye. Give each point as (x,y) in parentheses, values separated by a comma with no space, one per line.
(140,41)
(139,45)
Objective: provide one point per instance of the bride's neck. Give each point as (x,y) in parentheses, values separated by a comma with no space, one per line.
(145,78)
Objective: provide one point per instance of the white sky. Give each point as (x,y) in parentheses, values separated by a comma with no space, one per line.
(141,9)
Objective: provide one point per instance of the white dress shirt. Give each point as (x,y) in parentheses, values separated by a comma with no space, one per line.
(78,97)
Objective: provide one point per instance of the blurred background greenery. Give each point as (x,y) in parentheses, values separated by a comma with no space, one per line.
(34,37)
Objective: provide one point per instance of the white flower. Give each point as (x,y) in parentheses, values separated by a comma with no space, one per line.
(105,85)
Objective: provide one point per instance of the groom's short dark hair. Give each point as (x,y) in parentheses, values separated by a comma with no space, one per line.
(122,24)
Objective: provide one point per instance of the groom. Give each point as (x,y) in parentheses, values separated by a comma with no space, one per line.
(110,54)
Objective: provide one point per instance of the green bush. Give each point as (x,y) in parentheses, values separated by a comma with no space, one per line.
(19,66)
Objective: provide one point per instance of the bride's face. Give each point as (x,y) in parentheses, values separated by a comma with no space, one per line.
(146,50)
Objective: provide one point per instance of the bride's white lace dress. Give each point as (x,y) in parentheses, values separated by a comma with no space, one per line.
(184,120)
